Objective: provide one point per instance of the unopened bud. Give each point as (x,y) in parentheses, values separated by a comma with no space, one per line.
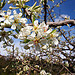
(9,2)
(17,4)
(10,7)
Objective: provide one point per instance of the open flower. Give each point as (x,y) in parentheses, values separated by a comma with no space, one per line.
(6,18)
(17,18)
(25,32)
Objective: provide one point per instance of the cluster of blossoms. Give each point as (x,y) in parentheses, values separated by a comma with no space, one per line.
(39,36)
(14,20)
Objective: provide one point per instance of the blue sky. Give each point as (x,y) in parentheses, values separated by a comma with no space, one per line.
(67,8)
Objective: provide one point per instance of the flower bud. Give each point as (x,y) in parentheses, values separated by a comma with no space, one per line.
(17,4)
(10,7)
(9,2)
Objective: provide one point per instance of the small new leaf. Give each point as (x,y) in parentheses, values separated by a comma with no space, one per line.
(37,7)
(26,41)
(26,6)
(53,31)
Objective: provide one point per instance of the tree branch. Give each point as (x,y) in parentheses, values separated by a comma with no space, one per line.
(28,13)
(50,15)
(67,38)
(61,23)
(45,15)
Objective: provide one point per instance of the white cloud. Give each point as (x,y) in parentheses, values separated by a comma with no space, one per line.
(61,17)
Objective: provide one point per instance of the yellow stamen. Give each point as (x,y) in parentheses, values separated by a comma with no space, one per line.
(35,28)
(6,16)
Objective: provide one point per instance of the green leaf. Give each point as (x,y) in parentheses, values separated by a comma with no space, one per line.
(54,31)
(26,41)
(26,6)
(34,5)
(31,8)
(33,19)
(37,7)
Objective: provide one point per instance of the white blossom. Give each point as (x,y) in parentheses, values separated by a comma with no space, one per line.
(44,47)
(6,18)
(67,64)
(13,27)
(43,72)
(7,22)
(36,22)
(55,41)
(23,20)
